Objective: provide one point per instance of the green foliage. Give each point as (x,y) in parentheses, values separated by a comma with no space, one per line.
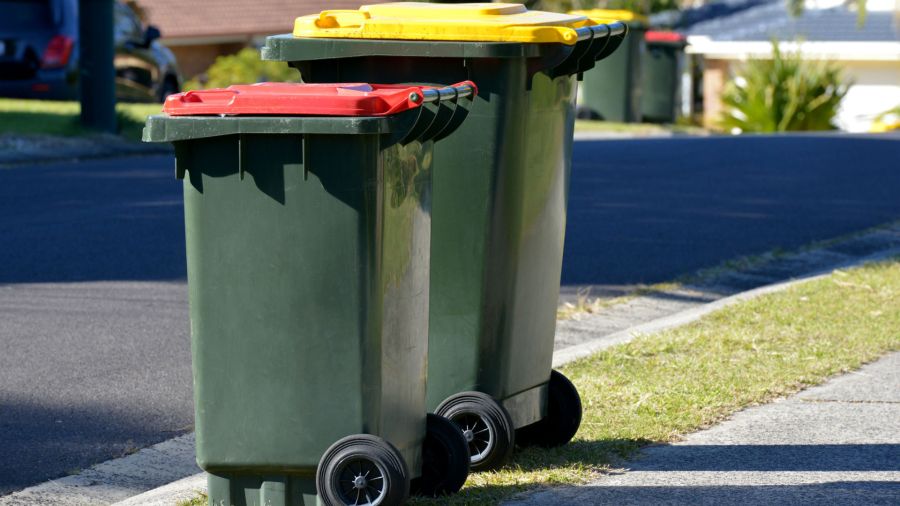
(244,67)
(784,93)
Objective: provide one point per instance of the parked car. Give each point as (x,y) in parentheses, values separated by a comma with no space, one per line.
(39,53)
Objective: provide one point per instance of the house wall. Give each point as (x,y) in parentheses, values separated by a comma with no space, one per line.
(876,89)
(715,74)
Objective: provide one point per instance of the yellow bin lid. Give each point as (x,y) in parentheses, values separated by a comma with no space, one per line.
(473,22)
(607,15)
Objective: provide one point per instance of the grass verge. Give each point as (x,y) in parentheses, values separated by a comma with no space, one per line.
(585,126)
(657,388)
(47,117)
(200,500)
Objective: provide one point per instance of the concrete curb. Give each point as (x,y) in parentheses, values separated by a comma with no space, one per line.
(572,353)
(17,151)
(117,479)
(171,494)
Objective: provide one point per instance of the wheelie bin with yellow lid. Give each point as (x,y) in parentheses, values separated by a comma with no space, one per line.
(620,98)
(499,204)
(308,218)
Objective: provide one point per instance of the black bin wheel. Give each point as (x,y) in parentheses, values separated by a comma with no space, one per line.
(486,425)
(563,416)
(445,459)
(362,470)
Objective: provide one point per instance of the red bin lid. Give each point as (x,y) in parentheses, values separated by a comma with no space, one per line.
(664,36)
(297,99)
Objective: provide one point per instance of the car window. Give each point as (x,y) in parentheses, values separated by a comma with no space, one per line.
(128,27)
(26,14)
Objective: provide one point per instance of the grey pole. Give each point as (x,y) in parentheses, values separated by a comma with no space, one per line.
(97,76)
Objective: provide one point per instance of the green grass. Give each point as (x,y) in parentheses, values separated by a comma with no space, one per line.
(584,126)
(200,500)
(658,388)
(46,117)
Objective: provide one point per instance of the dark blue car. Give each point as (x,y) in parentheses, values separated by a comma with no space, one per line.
(39,53)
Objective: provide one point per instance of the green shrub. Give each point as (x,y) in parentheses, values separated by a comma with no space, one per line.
(244,67)
(784,93)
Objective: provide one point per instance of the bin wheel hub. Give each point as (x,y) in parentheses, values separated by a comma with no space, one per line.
(478,433)
(363,482)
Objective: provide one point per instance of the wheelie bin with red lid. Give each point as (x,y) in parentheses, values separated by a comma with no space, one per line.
(663,64)
(307,217)
(499,202)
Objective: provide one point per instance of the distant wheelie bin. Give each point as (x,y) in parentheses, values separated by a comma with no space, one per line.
(612,90)
(308,227)
(663,63)
(500,195)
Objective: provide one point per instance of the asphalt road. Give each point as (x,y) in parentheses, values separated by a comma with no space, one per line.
(94,352)
(647,211)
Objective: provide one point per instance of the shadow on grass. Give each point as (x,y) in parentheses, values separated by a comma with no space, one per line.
(845,493)
(556,464)
(605,454)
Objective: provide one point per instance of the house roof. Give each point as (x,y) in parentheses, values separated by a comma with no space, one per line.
(682,19)
(178,19)
(771,19)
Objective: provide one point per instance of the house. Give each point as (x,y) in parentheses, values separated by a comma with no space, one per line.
(197,32)
(828,29)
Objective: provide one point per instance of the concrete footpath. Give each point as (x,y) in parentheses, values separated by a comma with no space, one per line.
(838,443)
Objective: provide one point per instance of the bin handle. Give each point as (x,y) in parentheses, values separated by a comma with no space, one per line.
(439,112)
(601,30)
(456,91)
(338,18)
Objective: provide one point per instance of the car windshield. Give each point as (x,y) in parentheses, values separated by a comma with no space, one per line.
(22,15)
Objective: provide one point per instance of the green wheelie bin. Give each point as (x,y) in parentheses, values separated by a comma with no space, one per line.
(308,231)
(663,63)
(612,90)
(499,208)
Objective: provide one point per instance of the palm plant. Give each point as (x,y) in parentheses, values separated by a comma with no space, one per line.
(783,93)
